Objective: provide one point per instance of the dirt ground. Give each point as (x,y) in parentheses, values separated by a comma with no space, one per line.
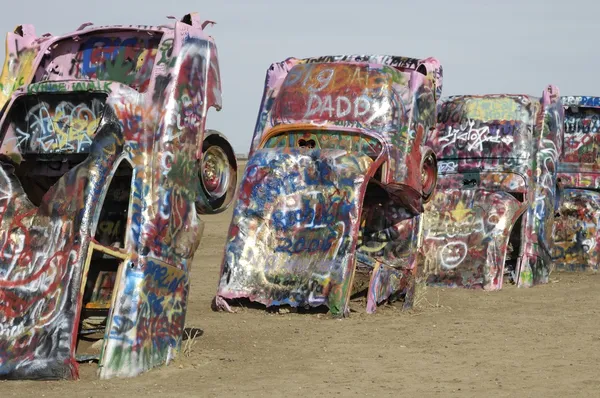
(543,341)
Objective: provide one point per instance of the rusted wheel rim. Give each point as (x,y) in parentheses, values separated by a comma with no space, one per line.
(428,175)
(215,172)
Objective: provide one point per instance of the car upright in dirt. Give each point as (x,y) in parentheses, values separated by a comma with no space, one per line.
(493,208)
(105,166)
(335,182)
(576,234)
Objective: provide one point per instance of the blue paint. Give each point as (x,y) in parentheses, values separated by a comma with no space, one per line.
(159,275)
(90,69)
(156,303)
(327,212)
(301,245)
(590,101)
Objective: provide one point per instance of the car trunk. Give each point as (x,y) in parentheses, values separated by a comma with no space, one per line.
(293,235)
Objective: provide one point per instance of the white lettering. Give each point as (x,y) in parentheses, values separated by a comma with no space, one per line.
(309,109)
(339,112)
(366,105)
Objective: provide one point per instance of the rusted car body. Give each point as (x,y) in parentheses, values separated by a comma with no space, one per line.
(576,231)
(105,166)
(494,204)
(335,183)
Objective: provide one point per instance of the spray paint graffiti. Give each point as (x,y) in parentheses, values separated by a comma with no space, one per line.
(66,126)
(302,231)
(107,56)
(100,191)
(576,229)
(336,146)
(147,327)
(472,138)
(493,210)
(576,245)
(466,239)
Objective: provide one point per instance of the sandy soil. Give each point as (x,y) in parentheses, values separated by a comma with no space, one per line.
(543,341)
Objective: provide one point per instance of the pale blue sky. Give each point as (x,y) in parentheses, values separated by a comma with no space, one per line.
(495,46)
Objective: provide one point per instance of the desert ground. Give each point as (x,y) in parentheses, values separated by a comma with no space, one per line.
(543,341)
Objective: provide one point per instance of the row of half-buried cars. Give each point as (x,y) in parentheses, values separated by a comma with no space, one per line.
(362,179)
(360,176)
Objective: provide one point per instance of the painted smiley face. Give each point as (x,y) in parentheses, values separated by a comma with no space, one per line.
(453,254)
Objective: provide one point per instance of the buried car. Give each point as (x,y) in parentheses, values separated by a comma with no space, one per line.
(335,182)
(105,166)
(494,204)
(576,232)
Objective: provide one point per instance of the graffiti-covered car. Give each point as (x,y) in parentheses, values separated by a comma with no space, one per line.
(493,208)
(576,234)
(335,183)
(105,166)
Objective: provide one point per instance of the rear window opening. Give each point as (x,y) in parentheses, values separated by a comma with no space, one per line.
(49,123)
(52,134)
(327,139)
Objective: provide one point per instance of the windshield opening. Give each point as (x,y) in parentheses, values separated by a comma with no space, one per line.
(327,139)
(50,123)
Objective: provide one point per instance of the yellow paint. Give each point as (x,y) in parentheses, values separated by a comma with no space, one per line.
(68,129)
(16,72)
(460,212)
(151,53)
(98,306)
(489,109)
(356,77)
(586,181)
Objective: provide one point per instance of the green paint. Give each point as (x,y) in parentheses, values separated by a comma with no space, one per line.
(166,52)
(91,86)
(119,70)
(47,87)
